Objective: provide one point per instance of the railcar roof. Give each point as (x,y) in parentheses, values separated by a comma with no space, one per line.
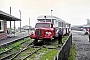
(44,22)
(47,17)
(41,17)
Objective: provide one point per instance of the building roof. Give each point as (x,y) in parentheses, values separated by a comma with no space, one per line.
(8,17)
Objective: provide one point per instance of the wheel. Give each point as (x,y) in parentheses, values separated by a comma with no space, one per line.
(35,41)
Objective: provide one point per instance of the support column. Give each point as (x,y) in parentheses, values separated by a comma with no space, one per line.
(29,25)
(10,22)
(14,28)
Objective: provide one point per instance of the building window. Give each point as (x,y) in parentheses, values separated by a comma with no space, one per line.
(1,25)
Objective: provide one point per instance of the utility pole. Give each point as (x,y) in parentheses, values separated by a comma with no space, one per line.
(20,20)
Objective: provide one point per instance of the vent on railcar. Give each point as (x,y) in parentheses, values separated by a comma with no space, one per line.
(39,32)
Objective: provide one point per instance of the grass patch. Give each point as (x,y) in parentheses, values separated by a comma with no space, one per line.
(13,45)
(9,46)
(73,53)
(49,55)
(64,39)
(34,56)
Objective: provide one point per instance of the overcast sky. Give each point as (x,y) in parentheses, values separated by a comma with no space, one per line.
(73,11)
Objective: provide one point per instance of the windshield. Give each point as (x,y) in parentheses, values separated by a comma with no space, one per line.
(42,25)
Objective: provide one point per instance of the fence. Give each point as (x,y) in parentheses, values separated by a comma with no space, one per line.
(65,49)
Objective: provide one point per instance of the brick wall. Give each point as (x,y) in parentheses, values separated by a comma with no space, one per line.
(3,34)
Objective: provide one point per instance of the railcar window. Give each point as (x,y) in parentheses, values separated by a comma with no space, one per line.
(48,20)
(41,20)
(42,25)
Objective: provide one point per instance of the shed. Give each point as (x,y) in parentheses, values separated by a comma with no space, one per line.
(4,17)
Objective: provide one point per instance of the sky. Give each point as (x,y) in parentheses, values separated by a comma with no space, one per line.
(73,11)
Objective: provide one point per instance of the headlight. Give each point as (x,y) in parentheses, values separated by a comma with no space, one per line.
(47,32)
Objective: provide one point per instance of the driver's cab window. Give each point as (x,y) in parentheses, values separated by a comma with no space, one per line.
(51,25)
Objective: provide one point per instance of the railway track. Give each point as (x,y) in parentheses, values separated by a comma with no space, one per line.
(8,54)
(10,48)
(33,52)
(17,54)
(27,50)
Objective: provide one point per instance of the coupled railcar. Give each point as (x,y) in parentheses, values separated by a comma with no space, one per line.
(47,28)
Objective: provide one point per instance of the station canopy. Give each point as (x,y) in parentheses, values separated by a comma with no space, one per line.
(8,17)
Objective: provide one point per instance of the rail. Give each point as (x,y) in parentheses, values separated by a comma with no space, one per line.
(11,42)
(65,49)
(10,52)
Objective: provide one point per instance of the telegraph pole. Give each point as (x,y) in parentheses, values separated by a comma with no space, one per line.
(20,20)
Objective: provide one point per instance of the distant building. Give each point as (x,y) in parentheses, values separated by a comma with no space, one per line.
(88,22)
(26,27)
(22,29)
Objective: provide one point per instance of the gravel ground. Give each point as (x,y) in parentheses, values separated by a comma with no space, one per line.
(82,45)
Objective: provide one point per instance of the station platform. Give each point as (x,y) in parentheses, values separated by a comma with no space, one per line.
(13,38)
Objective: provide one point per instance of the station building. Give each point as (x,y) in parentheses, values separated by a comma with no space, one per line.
(4,17)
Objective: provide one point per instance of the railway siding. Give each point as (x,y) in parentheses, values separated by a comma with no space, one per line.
(27,51)
(16,47)
(11,40)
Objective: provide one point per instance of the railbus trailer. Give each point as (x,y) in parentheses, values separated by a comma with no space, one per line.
(47,28)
